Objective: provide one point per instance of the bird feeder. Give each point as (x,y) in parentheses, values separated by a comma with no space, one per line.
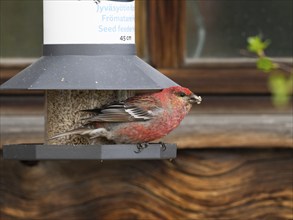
(89,57)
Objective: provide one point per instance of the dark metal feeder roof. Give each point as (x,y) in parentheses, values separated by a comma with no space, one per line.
(89,67)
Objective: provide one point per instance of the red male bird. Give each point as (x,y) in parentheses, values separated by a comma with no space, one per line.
(139,119)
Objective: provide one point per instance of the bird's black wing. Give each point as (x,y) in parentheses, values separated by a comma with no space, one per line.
(118,112)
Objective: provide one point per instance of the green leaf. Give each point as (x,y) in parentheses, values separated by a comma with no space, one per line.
(256,45)
(280,89)
(265,64)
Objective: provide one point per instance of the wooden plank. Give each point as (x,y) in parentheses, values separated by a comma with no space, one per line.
(208,80)
(200,184)
(220,80)
(195,131)
(234,130)
(22,105)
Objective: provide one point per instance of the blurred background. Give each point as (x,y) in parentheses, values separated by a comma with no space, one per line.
(235,149)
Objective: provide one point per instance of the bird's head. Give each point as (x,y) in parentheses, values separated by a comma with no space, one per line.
(183,94)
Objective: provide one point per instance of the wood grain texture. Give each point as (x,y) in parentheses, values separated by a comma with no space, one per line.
(166,33)
(220,80)
(140,28)
(200,184)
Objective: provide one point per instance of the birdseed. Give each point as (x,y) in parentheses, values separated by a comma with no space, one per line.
(62,112)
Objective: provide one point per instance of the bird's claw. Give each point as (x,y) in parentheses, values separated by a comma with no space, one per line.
(140,147)
(163,145)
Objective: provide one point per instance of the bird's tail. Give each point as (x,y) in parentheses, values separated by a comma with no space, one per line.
(77,131)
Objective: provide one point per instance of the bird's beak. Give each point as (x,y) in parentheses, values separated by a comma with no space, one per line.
(195,98)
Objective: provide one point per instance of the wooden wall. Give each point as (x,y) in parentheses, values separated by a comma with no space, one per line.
(199,184)
(234,159)
(229,166)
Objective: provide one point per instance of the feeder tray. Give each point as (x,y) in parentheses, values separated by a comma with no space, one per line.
(89,61)
(32,152)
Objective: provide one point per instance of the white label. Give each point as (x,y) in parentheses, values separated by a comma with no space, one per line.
(89,22)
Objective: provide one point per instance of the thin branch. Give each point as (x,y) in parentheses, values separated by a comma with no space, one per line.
(284,67)
(247,53)
(281,66)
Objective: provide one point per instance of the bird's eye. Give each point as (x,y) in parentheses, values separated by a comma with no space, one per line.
(182,94)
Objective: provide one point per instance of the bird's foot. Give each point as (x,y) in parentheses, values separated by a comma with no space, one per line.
(140,147)
(163,145)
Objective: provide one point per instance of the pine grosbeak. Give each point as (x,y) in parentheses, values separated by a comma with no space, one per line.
(139,119)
